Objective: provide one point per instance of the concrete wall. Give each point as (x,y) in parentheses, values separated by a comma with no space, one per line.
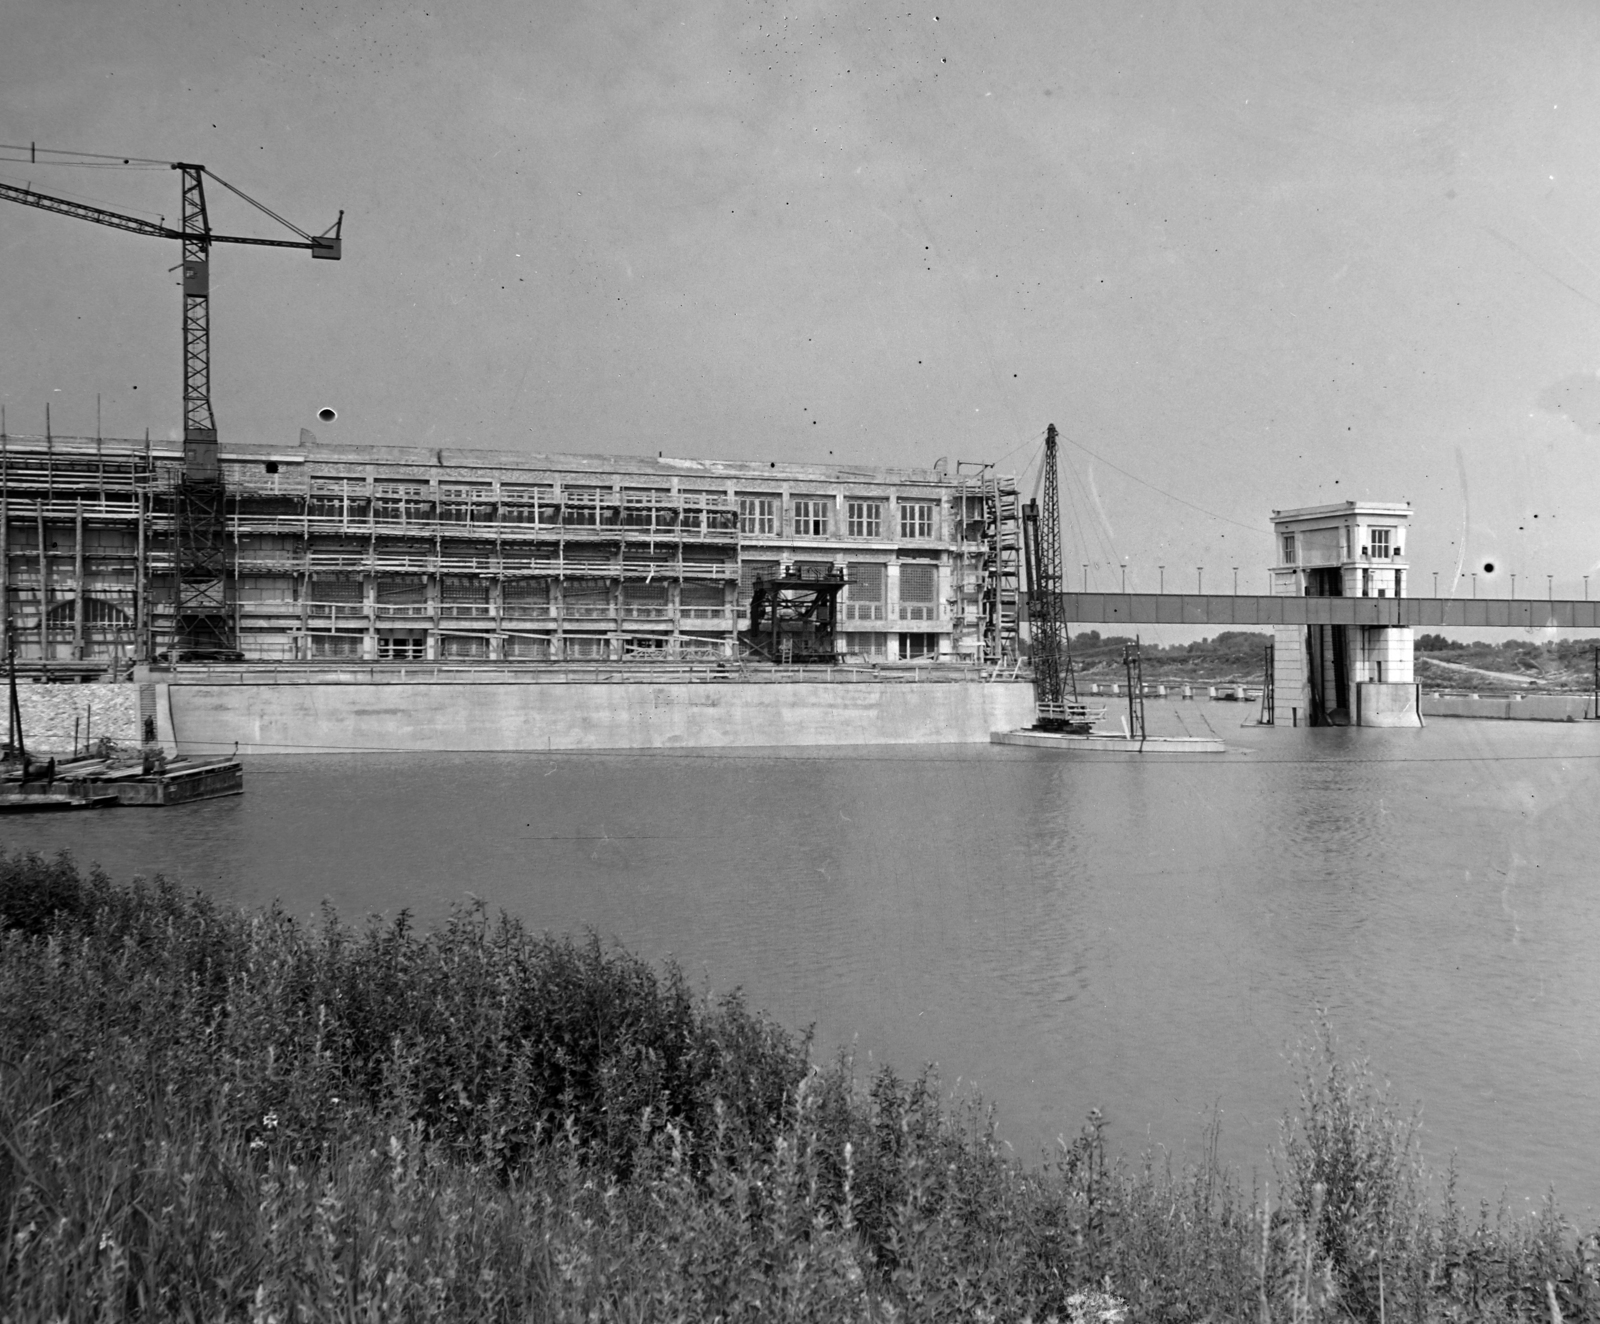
(49,712)
(1386,704)
(367,717)
(1533,708)
(1388,647)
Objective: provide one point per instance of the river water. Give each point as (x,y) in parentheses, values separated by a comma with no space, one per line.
(1147,935)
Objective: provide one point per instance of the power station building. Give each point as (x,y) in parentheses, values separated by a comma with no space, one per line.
(406,554)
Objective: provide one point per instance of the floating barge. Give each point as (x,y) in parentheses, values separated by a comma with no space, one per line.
(44,798)
(1108,742)
(101,784)
(1070,725)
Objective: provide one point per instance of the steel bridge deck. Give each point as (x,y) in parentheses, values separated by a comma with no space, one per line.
(1228,609)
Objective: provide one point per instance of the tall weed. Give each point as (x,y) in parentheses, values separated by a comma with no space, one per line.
(208,1114)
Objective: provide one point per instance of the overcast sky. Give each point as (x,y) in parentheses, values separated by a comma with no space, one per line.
(1251,255)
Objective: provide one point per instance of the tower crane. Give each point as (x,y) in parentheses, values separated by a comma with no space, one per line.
(202,621)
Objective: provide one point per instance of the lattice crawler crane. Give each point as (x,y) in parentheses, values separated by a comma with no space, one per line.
(1052,664)
(203,621)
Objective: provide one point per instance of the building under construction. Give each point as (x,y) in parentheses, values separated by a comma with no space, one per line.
(321,553)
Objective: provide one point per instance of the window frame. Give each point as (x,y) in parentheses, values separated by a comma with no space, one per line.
(815,520)
(919,519)
(864,518)
(758,515)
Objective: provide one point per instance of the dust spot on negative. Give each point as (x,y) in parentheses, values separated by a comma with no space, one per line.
(1488,567)
(327,415)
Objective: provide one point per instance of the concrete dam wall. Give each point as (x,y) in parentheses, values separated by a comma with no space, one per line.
(378,716)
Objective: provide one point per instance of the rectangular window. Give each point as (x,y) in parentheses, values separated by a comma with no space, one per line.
(647,507)
(919,585)
(587,599)
(702,602)
(465,646)
(580,506)
(1380,539)
(338,498)
(402,647)
(864,519)
(1288,549)
(403,592)
(864,600)
(335,645)
(917,519)
(707,510)
(528,647)
(526,493)
(811,517)
(526,591)
(335,590)
(464,503)
(653,596)
(453,589)
(588,645)
(872,647)
(528,503)
(758,515)
(405,503)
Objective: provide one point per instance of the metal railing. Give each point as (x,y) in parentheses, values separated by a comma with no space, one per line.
(654,670)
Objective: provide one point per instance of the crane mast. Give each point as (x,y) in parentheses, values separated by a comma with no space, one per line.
(202,574)
(202,622)
(1041,531)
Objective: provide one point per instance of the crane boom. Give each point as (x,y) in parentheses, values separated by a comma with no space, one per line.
(202,622)
(1042,537)
(322,246)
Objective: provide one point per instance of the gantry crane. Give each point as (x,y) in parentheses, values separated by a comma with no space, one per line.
(203,624)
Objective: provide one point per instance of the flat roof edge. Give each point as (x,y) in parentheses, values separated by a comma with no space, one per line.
(1343,508)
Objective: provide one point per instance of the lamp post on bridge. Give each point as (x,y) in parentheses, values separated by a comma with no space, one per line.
(1124,576)
(1435,583)
(1085,576)
(1550,581)
(1163,570)
(1235,581)
(1200,580)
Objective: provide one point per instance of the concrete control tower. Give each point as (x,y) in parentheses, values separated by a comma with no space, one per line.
(1343,675)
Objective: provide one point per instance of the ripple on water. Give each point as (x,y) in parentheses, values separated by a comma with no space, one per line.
(1145,936)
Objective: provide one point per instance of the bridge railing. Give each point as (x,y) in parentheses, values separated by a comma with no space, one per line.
(1227,609)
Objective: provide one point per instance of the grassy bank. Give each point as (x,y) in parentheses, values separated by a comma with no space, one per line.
(210,1114)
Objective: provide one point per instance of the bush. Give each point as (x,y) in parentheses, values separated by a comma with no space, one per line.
(207,1114)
